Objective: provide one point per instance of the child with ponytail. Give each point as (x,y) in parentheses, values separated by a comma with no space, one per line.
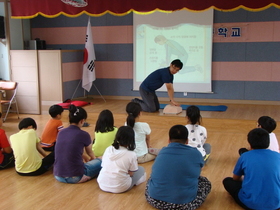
(142,133)
(71,143)
(197,133)
(120,171)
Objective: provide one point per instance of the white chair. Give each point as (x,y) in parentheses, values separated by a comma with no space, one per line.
(10,90)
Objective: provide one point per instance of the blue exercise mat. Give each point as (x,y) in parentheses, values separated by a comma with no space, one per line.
(219,108)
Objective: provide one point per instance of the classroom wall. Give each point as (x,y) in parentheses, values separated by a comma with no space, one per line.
(245,67)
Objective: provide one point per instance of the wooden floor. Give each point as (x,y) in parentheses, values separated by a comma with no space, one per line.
(226,133)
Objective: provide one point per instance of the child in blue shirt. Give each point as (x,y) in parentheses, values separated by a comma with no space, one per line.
(256,177)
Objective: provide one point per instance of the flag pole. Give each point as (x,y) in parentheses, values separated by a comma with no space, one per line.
(89,60)
(99,93)
(76,89)
(89,63)
(85,91)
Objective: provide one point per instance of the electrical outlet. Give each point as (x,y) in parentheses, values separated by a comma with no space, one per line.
(185,93)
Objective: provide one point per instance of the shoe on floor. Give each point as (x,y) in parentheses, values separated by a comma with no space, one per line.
(85,124)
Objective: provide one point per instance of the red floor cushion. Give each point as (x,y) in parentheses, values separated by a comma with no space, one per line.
(66,104)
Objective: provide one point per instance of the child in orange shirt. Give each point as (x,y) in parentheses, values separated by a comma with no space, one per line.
(53,126)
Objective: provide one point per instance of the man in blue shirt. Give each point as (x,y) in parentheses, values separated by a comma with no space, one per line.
(154,81)
(256,177)
(175,181)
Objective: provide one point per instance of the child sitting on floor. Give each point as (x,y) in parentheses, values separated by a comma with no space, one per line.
(269,125)
(105,132)
(53,126)
(27,149)
(142,133)
(71,143)
(120,171)
(176,181)
(6,153)
(255,183)
(197,133)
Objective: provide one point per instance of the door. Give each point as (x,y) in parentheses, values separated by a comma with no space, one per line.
(24,70)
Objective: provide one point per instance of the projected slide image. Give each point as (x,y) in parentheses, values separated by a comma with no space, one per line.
(159,46)
(160,38)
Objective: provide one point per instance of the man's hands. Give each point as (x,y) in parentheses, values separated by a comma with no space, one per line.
(175,103)
(170,92)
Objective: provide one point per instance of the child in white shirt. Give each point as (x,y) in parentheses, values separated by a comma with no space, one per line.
(120,171)
(197,133)
(142,131)
(269,124)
